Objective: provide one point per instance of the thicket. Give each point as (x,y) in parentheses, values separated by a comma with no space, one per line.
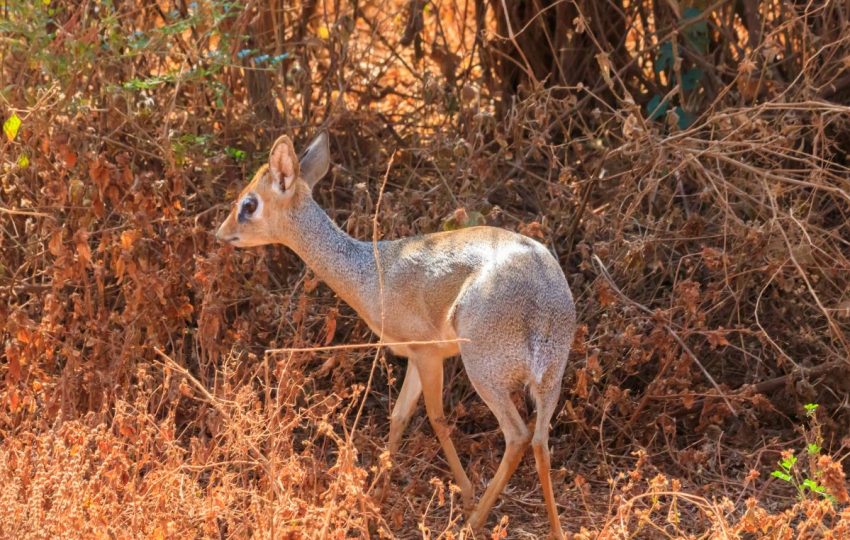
(686,161)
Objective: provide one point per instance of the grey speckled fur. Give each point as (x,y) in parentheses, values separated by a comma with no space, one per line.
(496,297)
(502,291)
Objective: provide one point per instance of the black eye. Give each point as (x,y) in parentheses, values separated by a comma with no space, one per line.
(248,207)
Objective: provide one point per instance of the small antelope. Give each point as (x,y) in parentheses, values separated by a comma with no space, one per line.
(498,298)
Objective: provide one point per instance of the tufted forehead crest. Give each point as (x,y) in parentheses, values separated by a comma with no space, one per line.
(258,176)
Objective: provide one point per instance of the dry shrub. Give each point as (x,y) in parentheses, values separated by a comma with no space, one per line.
(253,468)
(688,167)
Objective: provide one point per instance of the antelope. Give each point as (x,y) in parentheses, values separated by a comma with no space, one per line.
(497,298)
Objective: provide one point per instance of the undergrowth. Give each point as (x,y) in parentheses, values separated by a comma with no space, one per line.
(687,162)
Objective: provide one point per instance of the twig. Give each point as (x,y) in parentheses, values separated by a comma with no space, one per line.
(585,197)
(610,280)
(379,344)
(836,330)
(13,212)
(380,296)
(777,382)
(216,402)
(529,70)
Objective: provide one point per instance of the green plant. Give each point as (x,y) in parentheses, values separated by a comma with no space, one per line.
(788,470)
(696,39)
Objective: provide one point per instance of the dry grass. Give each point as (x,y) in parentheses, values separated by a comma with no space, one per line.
(707,248)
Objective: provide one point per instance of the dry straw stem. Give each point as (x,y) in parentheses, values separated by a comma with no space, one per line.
(352,346)
(353,429)
(223,407)
(379,269)
(14,212)
(833,327)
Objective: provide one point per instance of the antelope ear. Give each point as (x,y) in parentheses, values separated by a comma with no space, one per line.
(315,160)
(283,163)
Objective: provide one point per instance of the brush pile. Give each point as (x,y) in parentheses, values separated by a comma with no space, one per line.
(687,162)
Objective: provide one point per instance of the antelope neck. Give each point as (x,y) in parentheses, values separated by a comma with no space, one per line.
(347,265)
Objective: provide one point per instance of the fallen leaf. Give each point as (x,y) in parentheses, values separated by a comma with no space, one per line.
(580,389)
(605,294)
(68,157)
(54,246)
(717,338)
(330,327)
(128,238)
(82,245)
(11,127)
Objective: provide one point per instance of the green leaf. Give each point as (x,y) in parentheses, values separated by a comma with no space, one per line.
(810,408)
(138,40)
(664,60)
(812,448)
(691,78)
(781,475)
(23,161)
(144,84)
(11,127)
(696,35)
(814,486)
(685,118)
(236,153)
(788,463)
(655,108)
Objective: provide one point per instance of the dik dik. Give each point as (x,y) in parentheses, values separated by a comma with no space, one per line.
(497,298)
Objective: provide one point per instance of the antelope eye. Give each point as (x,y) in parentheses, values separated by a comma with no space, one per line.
(247,208)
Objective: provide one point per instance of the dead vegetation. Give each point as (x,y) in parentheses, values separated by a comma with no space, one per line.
(687,162)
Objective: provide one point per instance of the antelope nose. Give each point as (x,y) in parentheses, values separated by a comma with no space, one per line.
(219,235)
